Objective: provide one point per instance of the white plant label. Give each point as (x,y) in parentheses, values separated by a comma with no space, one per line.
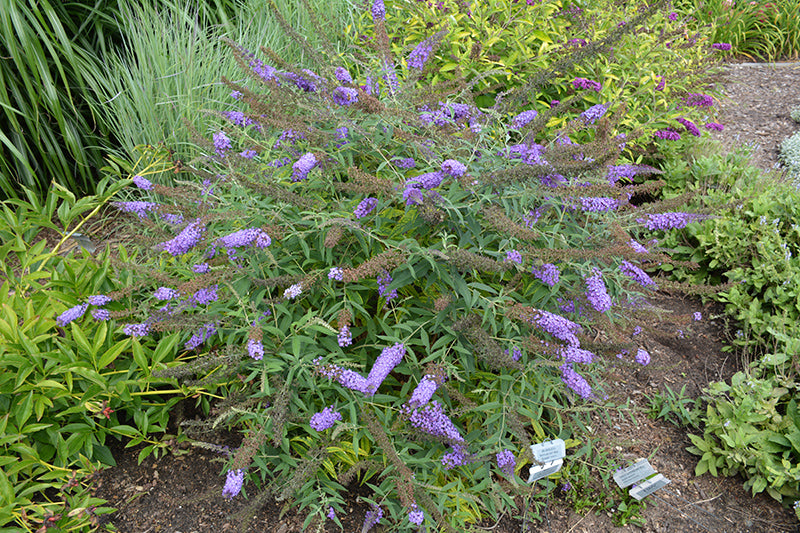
(649,486)
(549,451)
(539,471)
(633,473)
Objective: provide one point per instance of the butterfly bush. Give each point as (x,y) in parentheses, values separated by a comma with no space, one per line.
(414,316)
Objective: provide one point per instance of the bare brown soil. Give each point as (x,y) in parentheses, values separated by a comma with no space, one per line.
(181,492)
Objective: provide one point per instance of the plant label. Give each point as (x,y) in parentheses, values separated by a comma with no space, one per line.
(549,451)
(649,486)
(633,473)
(537,472)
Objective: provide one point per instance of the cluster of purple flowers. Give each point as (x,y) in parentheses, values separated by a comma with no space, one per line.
(303,166)
(138,208)
(547,274)
(453,168)
(345,377)
(293,291)
(344,96)
(698,100)
(575,381)
(246,237)
(239,119)
(378,11)
(506,462)
(670,220)
(233,483)
(583,83)
(596,292)
(638,275)
(690,126)
(420,54)
(714,126)
(593,113)
(187,239)
(384,364)
(73,313)
(336,273)
(697,316)
(222,143)
(449,113)
(673,16)
(431,419)
(407,162)
(136,330)
(668,134)
(342,74)
(573,354)
(638,248)
(424,391)
(142,183)
(325,419)
(375,514)
(557,326)
(416,516)
(721,46)
(383,284)
(202,334)
(344,338)
(255,349)
(522,120)
(642,357)
(365,207)
(513,256)
(598,204)
(165,293)
(205,295)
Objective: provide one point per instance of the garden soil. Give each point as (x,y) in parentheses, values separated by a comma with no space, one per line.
(180,492)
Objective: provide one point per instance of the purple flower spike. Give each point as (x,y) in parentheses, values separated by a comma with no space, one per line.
(336,273)
(583,83)
(416,516)
(424,391)
(596,292)
(365,207)
(419,55)
(233,483)
(71,314)
(293,291)
(185,240)
(642,357)
(668,134)
(513,256)
(303,166)
(374,515)
(143,183)
(715,126)
(378,11)
(548,274)
(453,168)
(343,75)
(670,220)
(387,360)
(140,209)
(101,315)
(136,330)
(325,419)
(221,143)
(255,349)
(593,113)
(432,420)
(345,338)
(721,46)
(575,381)
(165,293)
(522,120)
(638,275)
(345,96)
(690,126)
(506,462)
(98,299)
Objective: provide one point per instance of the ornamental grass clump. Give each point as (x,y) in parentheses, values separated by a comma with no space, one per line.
(381,284)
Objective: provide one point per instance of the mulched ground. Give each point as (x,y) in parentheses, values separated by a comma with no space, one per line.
(181,492)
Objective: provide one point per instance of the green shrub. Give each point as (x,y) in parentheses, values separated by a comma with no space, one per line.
(646,64)
(355,243)
(790,156)
(64,389)
(752,428)
(763,30)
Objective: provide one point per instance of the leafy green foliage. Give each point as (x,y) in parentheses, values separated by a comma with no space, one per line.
(763,30)
(645,61)
(752,428)
(315,247)
(673,407)
(790,155)
(64,390)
